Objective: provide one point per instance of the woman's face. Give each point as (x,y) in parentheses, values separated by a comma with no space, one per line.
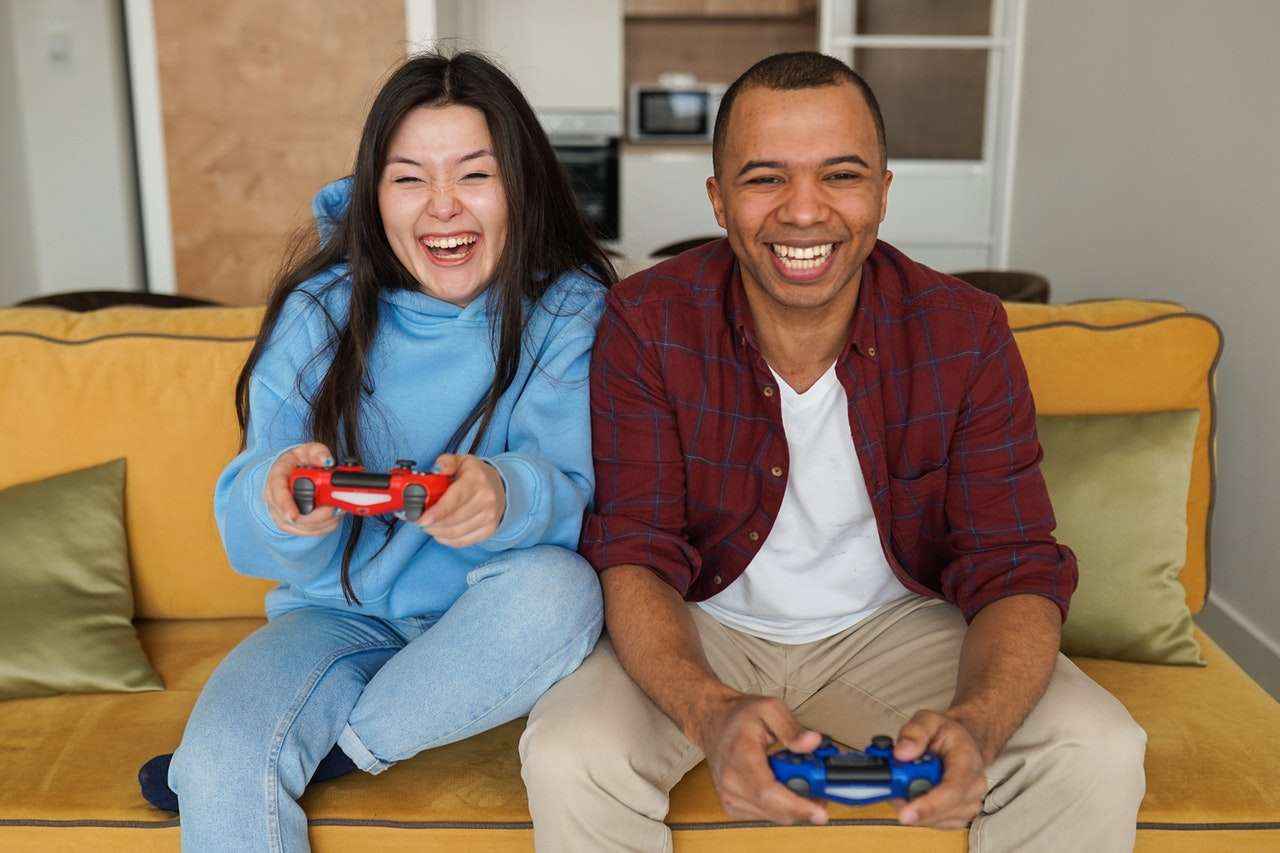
(442,202)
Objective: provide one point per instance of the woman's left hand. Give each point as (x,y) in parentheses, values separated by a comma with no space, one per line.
(471,508)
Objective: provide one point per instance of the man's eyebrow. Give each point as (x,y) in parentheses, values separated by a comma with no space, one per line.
(846,158)
(778,164)
(760,164)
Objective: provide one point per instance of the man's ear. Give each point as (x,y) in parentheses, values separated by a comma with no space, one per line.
(717,202)
(884,195)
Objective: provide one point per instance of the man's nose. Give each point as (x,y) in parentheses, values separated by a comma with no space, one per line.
(804,204)
(442,203)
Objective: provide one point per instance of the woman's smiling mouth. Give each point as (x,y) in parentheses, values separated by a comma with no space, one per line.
(449,250)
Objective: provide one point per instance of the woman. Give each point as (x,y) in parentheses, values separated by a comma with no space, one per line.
(446,316)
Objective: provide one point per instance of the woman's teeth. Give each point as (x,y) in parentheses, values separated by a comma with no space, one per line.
(802,257)
(445,246)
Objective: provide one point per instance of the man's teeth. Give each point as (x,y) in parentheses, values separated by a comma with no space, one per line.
(802,257)
(448,242)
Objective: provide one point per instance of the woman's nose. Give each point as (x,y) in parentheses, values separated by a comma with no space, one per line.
(442,203)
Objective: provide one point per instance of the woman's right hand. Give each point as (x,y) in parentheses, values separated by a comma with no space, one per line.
(279,499)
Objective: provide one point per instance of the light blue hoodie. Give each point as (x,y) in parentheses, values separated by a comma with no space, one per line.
(431,362)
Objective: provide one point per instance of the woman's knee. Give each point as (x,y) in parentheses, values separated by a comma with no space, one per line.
(548,584)
(214,759)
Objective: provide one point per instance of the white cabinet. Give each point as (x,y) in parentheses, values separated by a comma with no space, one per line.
(664,199)
(565,54)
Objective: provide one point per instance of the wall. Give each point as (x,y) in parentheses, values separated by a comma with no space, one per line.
(1146,167)
(17,273)
(565,54)
(262,103)
(76,150)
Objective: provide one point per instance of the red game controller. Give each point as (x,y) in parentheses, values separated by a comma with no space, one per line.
(351,488)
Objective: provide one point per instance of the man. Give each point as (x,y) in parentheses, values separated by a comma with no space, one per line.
(816,462)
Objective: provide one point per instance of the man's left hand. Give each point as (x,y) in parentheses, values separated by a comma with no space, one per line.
(958,799)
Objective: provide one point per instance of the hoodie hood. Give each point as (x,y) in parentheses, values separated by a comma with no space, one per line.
(330,204)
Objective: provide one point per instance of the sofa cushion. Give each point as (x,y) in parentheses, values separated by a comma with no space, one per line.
(1095,358)
(152,386)
(1119,490)
(68,766)
(1094,312)
(67,609)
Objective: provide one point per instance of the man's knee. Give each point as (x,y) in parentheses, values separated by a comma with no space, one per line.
(1101,751)
(564,750)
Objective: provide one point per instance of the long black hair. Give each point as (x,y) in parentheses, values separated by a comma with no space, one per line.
(547,236)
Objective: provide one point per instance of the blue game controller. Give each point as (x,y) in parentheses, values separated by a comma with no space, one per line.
(857,778)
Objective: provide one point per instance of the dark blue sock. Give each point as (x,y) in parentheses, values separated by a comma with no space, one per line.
(153,778)
(333,765)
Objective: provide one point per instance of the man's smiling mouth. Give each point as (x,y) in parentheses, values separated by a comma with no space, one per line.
(802,257)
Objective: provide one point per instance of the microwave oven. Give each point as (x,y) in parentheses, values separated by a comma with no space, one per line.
(673,113)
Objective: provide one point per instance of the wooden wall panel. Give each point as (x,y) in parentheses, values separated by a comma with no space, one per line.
(263,103)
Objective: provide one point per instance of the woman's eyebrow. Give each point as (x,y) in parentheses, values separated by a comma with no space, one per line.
(474,155)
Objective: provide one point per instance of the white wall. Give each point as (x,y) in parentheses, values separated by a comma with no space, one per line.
(566,55)
(17,261)
(73,109)
(1147,167)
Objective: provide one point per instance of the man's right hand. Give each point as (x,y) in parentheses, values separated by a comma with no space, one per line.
(279,499)
(734,734)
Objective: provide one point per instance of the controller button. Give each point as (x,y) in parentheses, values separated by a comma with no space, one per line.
(405,463)
(918,787)
(799,785)
(882,742)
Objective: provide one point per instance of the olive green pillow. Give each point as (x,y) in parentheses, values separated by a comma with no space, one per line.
(1119,489)
(67,605)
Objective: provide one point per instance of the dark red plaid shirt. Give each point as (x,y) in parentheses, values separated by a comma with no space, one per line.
(691,459)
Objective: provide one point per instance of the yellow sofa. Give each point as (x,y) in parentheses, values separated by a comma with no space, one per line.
(155,386)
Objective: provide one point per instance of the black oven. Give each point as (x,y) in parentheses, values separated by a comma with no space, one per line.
(592,166)
(586,144)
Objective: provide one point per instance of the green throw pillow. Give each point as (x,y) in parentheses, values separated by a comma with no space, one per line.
(67,606)
(1119,488)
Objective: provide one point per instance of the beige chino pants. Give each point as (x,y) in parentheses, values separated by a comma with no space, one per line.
(599,758)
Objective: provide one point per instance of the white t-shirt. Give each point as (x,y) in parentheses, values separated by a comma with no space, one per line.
(821,569)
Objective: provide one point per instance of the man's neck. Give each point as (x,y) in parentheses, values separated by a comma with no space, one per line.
(800,344)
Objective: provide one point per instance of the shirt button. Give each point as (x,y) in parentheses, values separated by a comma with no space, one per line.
(776,471)
(753,536)
(716,579)
(871,351)
(768,391)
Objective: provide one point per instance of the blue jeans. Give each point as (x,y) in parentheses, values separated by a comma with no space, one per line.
(381,690)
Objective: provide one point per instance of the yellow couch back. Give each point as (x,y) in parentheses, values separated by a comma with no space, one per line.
(155,386)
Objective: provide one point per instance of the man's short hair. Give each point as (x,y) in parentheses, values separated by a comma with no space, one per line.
(789,71)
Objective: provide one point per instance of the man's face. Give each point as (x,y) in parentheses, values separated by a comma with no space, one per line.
(801,191)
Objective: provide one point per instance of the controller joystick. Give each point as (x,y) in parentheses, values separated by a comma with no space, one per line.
(304,494)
